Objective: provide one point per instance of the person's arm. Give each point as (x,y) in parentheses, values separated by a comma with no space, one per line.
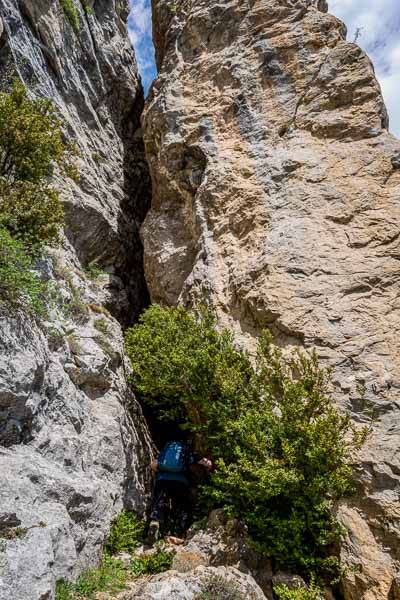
(195,459)
(154,465)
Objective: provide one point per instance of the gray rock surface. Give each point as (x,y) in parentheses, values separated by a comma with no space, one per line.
(92,78)
(74,447)
(224,542)
(188,586)
(276,200)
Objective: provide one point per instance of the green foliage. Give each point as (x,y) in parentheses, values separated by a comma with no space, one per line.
(20,286)
(313,592)
(289,461)
(31,212)
(89,10)
(109,577)
(187,369)
(71,13)
(31,143)
(219,588)
(127,533)
(282,449)
(64,590)
(150,564)
(93,270)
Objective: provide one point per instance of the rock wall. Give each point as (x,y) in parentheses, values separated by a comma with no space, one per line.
(276,200)
(74,447)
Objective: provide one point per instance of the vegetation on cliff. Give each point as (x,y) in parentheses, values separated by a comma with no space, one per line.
(32,145)
(71,13)
(283,451)
(126,534)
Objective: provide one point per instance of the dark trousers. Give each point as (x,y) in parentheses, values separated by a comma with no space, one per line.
(172,505)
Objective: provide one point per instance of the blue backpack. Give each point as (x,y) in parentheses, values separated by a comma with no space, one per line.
(173,458)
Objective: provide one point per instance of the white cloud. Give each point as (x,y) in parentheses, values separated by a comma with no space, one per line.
(139,25)
(379,21)
(380,38)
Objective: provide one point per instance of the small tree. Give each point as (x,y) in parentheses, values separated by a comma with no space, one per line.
(192,373)
(31,143)
(20,286)
(282,449)
(288,462)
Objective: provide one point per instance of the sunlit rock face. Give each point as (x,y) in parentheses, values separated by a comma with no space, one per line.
(276,200)
(74,447)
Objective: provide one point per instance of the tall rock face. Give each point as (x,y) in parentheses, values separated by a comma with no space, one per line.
(276,200)
(73,442)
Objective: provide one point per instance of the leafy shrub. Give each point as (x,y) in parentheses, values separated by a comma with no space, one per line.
(291,461)
(126,534)
(150,564)
(93,270)
(312,593)
(189,371)
(109,577)
(282,449)
(217,587)
(31,143)
(71,13)
(31,212)
(20,286)
(64,590)
(89,10)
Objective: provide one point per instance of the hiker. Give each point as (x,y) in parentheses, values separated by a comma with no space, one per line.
(172,490)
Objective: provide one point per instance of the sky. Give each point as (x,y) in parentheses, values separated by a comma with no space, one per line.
(380,37)
(378,20)
(139,26)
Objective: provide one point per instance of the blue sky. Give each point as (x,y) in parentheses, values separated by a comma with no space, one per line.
(380,37)
(379,21)
(139,24)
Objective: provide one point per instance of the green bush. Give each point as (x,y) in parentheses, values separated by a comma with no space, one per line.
(20,286)
(127,533)
(282,449)
(313,592)
(71,13)
(188,370)
(31,212)
(109,577)
(217,587)
(93,270)
(150,564)
(89,10)
(31,143)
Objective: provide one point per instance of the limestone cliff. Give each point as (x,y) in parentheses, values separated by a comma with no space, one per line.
(276,200)
(73,443)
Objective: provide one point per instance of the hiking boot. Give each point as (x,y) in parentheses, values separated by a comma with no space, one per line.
(153,532)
